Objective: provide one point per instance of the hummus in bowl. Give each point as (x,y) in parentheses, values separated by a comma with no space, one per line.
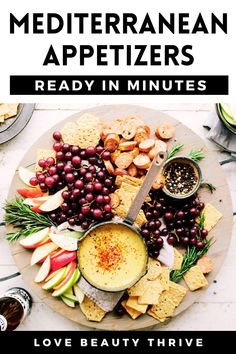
(112,257)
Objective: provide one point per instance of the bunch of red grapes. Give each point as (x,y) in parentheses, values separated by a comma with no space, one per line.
(177,224)
(89,184)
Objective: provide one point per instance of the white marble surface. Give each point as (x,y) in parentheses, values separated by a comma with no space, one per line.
(216,309)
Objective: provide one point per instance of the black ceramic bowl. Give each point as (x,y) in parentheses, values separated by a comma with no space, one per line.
(197,171)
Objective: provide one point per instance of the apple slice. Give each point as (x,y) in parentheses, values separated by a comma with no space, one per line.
(43,271)
(67,285)
(75,234)
(57,253)
(30,192)
(67,243)
(78,293)
(53,202)
(25,175)
(42,251)
(68,302)
(52,274)
(63,259)
(35,239)
(70,269)
(70,296)
(57,278)
(46,240)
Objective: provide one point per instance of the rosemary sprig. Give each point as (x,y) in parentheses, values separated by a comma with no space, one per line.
(175,149)
(196,155)
(190,258)
(27,222)
(202,221)
(208,186)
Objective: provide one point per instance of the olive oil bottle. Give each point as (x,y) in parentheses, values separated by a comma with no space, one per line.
(15,305)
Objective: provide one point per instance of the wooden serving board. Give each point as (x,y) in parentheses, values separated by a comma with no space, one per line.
(221,199)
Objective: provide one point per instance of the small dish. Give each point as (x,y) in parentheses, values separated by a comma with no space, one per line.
(183,177)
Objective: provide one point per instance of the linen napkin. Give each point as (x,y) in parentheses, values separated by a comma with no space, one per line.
(106,300)
(219,134)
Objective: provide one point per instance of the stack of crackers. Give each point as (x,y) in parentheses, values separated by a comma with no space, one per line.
(84,132)
(123,197)
(8,111)
(156,290)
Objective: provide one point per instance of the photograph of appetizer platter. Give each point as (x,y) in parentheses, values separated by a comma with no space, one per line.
(119,217)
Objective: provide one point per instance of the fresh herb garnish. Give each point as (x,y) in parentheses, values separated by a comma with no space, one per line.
(175,149)
(196,155)
(190,258)
(202,220)
(20,216)
(208,186)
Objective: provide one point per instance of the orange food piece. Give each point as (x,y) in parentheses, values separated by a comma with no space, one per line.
(124,160)
(142,161)
(109,167)
(206,264)
(134,152)
(159,182)
(114,155)
(132,170)
(159,146)
(165,131)
(111,142)
(120,172)
(141,135)
(129,131)
(127,145)
(146,145)
(115,200)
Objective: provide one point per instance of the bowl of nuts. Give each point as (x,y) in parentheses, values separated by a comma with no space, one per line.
(182,177)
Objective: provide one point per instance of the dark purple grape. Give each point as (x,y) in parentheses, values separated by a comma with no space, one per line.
(145,232)
(193,232)
(180,231)
(171,239)
(185,240)
(155,253)
(149,215)
(68,156)
(105,191)
(71,221)
(158,224)
(178,223)
(82,171)
(93,160)
(193,241)
(156,233)
(201,206)
(158,207)
(85,225)
(75,150)
(200,244)
(180,214)
(159,242)
(204,233)
(164,232)
(193,211)
(90,151)
(168,216)
(170,226)
(89,188)
(151,225)
(82,154)
(99,149)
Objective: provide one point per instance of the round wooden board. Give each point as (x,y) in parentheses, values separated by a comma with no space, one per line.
(221,199)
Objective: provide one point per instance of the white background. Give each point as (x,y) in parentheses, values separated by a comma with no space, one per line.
(23,54)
